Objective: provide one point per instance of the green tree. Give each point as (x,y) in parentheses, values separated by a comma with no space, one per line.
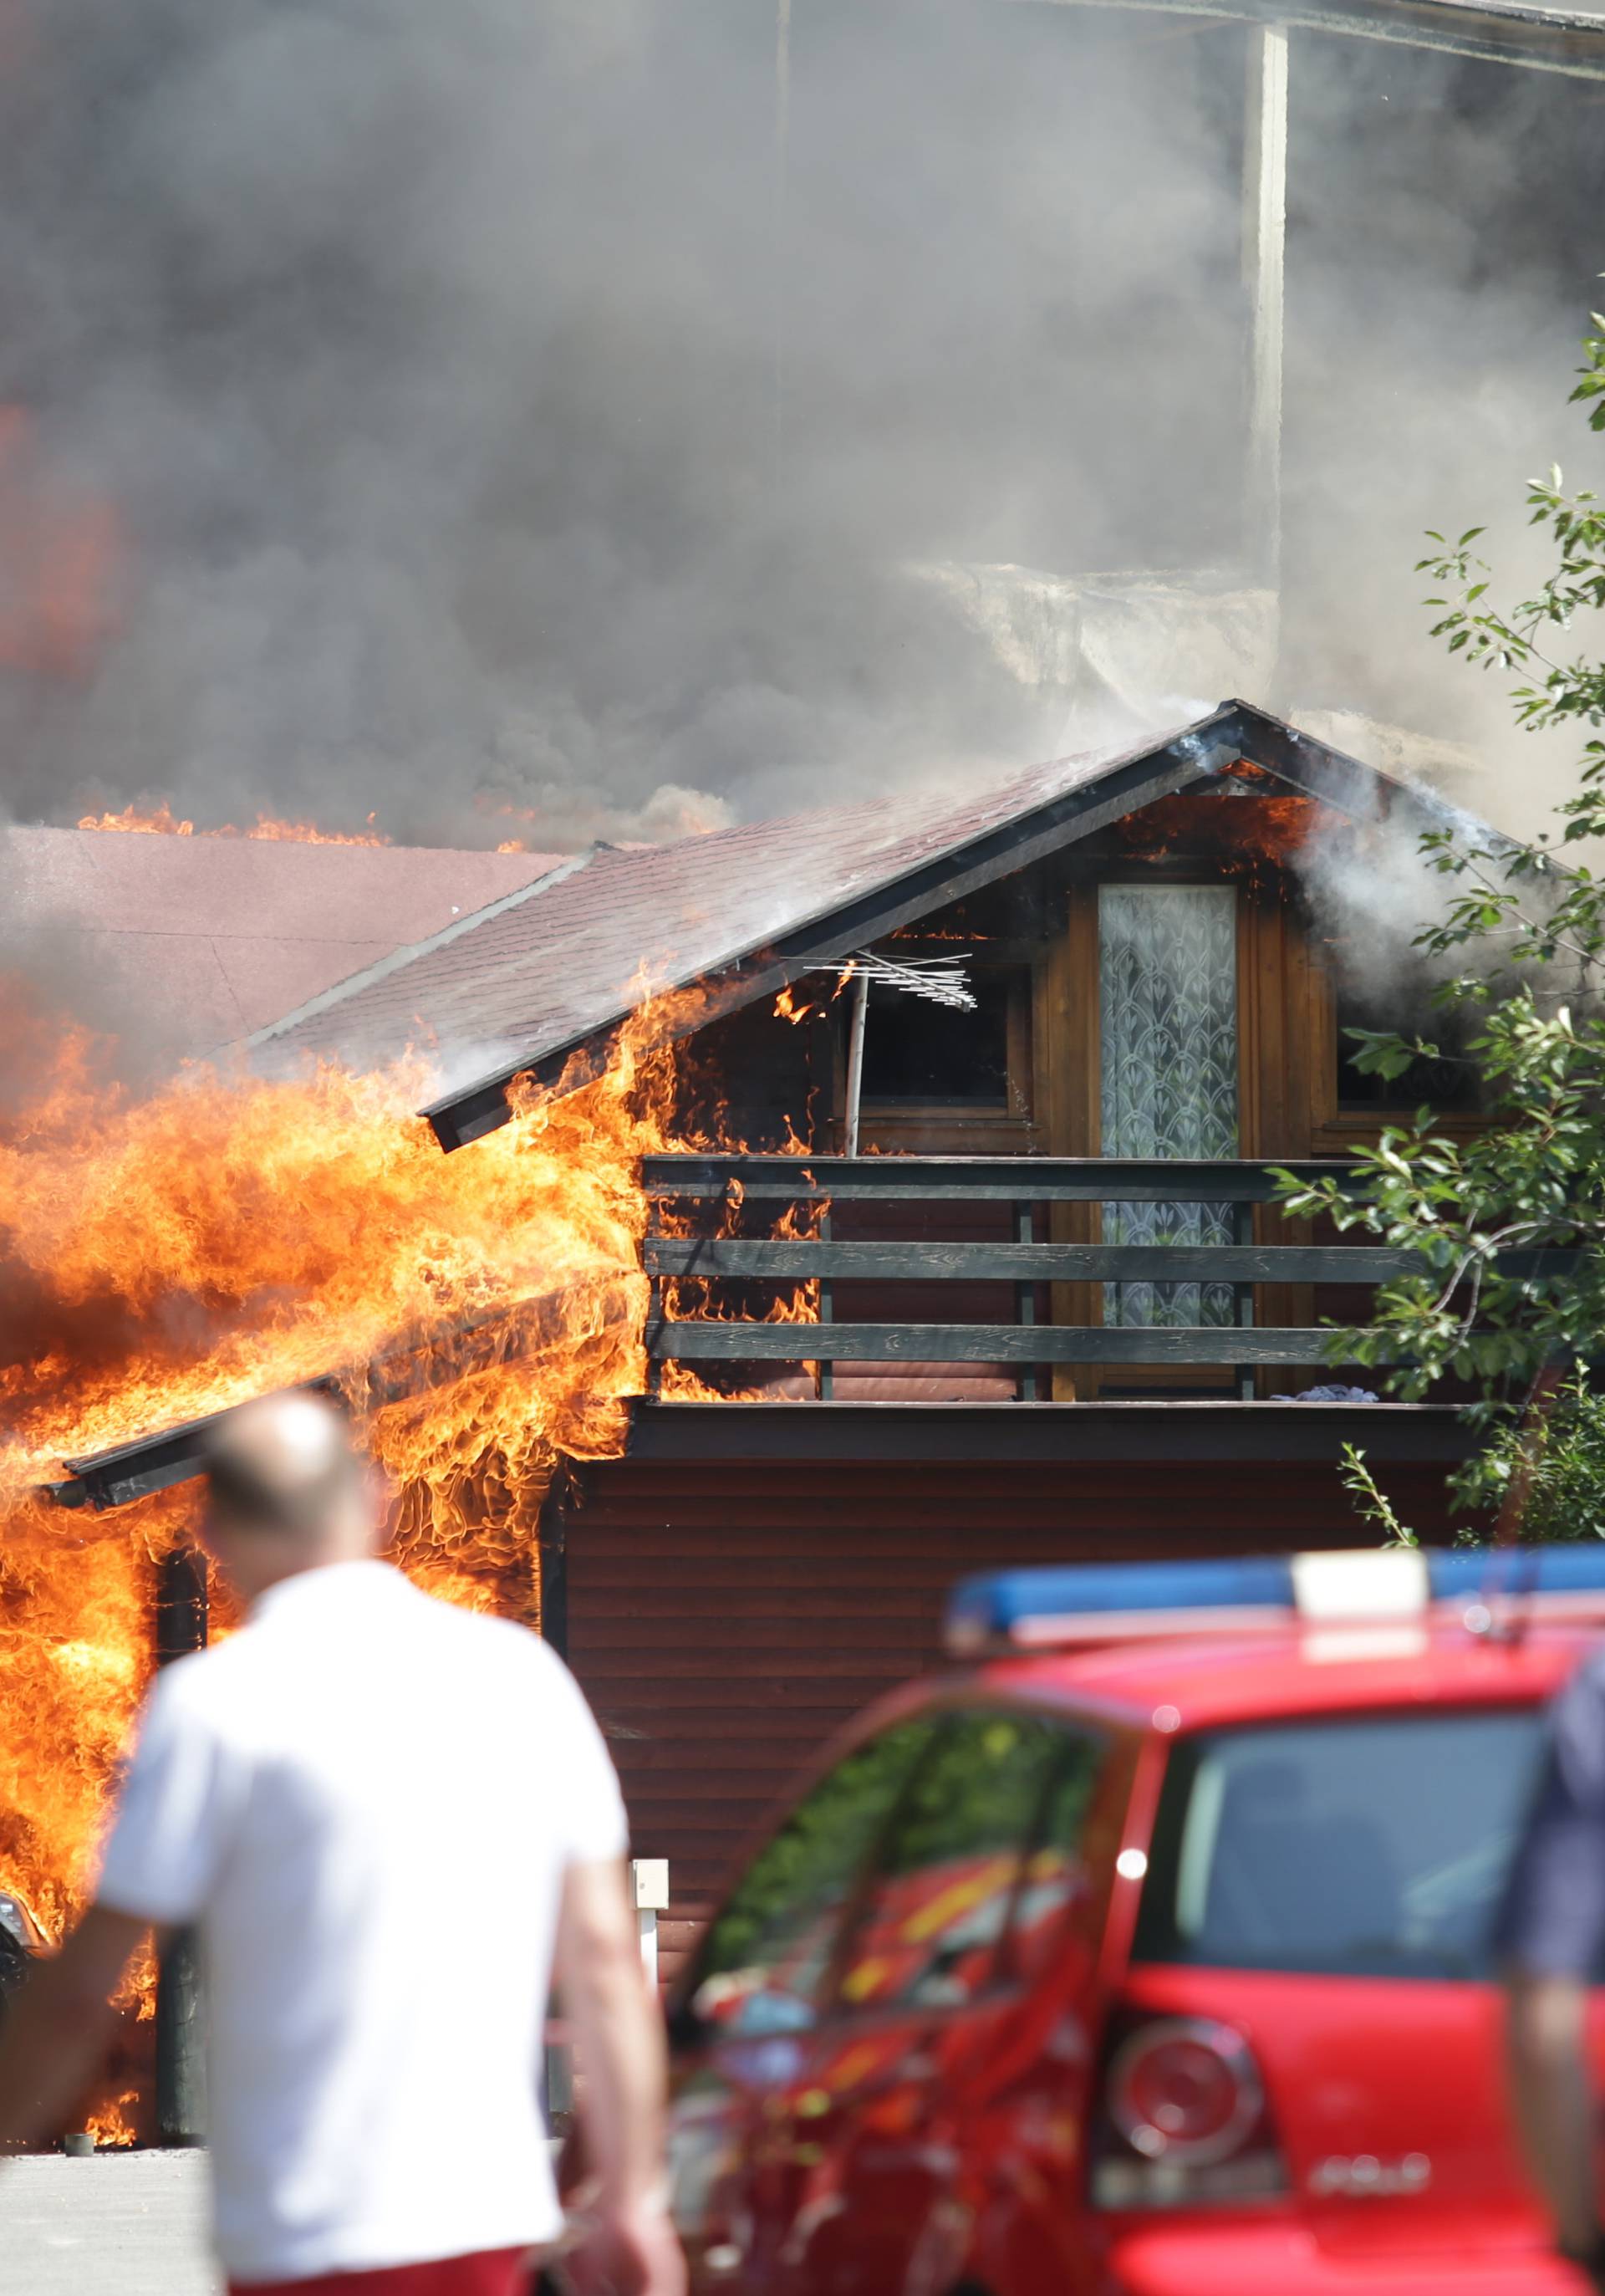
(1520,945)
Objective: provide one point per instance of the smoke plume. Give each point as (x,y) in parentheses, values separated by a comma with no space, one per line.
(430,410)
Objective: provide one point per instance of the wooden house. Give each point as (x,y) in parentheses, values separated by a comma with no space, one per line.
(1050,1308)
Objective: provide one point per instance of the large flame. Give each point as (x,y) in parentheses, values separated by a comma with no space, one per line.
(169,1256)
(157,819)
(165,1256)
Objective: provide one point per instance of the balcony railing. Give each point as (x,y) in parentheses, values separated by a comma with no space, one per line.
(704,1207)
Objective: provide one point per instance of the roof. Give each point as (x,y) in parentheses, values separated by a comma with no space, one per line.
(203,939)
(1215,1680)
(554,968)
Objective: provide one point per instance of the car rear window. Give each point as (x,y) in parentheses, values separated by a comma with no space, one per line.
(1372,1847)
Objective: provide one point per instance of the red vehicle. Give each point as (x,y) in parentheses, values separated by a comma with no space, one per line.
(1149,1954)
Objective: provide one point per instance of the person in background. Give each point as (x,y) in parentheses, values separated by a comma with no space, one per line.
(1552,1938)
(388,1820)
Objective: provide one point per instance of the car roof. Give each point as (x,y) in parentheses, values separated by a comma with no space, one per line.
(1208,1681)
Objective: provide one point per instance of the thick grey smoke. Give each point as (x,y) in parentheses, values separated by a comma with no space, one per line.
(486,432)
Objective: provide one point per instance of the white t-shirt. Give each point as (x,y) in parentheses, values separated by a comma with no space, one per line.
(367,1800)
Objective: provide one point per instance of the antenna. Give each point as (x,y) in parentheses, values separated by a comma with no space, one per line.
(940,980)
(943,980)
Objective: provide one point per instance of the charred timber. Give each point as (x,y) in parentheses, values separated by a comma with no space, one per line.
(181,1622)
(799,1260)
(413,1364)
(1012,1179)
(1173,1428)
(713,1340)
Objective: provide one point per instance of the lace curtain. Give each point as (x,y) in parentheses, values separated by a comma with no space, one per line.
(1167,1013)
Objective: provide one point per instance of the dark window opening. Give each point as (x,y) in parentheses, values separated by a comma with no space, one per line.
(1449,1082)
(930,1053)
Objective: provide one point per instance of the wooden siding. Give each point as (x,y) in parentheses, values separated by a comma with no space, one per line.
(724,1616)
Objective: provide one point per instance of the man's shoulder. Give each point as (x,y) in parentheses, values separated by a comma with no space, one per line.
(480,1638)
(208,1694)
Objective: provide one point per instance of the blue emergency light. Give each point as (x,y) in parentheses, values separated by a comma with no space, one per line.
(1089,1603)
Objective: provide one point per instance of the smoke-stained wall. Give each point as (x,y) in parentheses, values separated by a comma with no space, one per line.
(489,415)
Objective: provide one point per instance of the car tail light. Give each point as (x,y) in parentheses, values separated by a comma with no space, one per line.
(1183,2120)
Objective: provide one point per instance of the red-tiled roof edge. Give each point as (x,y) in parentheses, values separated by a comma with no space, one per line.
(356,981)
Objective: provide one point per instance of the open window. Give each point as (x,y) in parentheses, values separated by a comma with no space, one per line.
(926,1056)
(1448,1083)
(939,1080)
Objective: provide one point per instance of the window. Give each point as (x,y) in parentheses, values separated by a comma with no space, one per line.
(937,1902)
(1060,1876)
(1372,1848)
(769,1948)
(1448,1083)
(935,1055)
(1168,1060)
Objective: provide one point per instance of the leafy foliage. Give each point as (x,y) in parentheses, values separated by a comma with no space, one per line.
(1371,1500)
(1483,1216)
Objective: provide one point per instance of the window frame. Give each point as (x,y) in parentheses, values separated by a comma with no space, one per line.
(1002,1983)
(683,2012)
(1005,1126)
(1155,1904)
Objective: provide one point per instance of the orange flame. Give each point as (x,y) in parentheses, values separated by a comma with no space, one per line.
(109,2128)
(154,820)
(169,1256)
(1249,832)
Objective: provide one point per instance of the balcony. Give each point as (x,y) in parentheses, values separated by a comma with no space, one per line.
(705,1209)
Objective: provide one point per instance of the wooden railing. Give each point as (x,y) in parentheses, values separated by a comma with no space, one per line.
(706,1194)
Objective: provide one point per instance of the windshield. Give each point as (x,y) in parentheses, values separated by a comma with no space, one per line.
(1376,1847)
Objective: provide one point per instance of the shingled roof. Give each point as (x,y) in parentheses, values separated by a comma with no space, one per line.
(552,970)
(203,939)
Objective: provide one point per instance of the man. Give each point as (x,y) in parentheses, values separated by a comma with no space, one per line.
(387,1818)
(1552,1933)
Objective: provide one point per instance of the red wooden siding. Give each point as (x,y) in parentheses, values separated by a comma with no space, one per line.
(724,1617)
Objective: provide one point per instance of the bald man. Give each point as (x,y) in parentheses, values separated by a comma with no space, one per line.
(388,1820)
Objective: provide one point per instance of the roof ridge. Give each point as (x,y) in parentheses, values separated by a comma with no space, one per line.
(385,965)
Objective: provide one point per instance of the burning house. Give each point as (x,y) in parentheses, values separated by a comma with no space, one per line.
(722,1243)
(735,1292)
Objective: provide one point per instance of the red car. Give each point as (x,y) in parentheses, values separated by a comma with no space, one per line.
(1149,1954)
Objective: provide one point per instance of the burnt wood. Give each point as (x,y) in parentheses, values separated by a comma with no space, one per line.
(767,1434)
(1016,1179)
(412,1363)
(706,1341)
(796,1261)
(181,1623)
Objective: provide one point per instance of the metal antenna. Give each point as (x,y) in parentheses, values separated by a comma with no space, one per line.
(943,980)
(940,980)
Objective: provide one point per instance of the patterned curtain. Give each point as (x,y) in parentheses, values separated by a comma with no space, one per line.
(1167,1011)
